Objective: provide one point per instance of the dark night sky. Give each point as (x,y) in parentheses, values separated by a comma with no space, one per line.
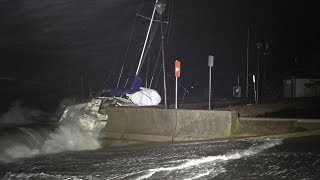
(54,42)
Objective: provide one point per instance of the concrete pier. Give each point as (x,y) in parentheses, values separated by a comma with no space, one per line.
(150,124)
(271,126)
(136,125)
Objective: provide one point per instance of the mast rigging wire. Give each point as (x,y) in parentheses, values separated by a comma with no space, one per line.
(127,49)
(167,31)
(149,42)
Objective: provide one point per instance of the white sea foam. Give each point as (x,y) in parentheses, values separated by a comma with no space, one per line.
(69,136)
(215,161)
(44,176)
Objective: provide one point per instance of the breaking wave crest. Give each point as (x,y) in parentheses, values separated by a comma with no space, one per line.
(27,141)
(215,162)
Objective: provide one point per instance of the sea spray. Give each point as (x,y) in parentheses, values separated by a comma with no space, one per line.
(19,115)
(68,136)
(71,136)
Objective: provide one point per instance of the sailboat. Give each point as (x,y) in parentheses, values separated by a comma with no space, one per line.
(89,114)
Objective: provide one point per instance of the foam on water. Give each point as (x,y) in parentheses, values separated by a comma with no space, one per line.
(214,161)
(69,136)
(43,176)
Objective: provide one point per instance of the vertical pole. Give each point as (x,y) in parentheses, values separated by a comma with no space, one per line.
(254,88)
(210,64)
(209,87)
(176,105)
(163,66)
(292,86)
(247,88)
(238,80)
(82,87)
(258,76)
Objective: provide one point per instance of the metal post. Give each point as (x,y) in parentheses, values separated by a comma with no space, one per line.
(254,88)
(82,88)
(238,80)
(163,68)
(259,46)
(292,86)
(210,64)
(247,88)
(210,87)
(258,76)
(160,7)
(176,105)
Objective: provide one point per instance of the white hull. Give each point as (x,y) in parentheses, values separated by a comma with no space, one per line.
(86,115)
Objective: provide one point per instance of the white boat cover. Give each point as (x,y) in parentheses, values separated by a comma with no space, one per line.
(145,97)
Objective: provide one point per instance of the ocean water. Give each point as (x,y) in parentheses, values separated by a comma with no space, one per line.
(230,159)
(50,151)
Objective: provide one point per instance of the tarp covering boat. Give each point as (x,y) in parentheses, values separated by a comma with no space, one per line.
(139,95)
(145,97)
(135,86)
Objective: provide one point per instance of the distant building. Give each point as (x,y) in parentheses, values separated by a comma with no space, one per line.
(301,87)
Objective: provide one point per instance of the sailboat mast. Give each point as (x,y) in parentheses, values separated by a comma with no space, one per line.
(146,40)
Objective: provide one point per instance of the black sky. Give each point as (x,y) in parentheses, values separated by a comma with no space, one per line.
(56,42)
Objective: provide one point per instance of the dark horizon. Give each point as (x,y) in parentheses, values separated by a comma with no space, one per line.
(57,43)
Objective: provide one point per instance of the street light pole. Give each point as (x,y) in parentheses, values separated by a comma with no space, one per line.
(247,88)
(259,46)
(160,7)
(210,64)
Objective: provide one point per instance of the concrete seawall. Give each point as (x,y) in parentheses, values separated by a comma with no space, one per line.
(203,125)
(160,125)
(150,124)
(272,126)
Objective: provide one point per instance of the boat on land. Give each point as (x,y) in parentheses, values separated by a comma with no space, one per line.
(89,115)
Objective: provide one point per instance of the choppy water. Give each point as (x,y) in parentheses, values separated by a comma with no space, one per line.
(233,159)
(23,135)
(46,151)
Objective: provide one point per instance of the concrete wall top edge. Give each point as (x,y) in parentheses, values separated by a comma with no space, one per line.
(160,109)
